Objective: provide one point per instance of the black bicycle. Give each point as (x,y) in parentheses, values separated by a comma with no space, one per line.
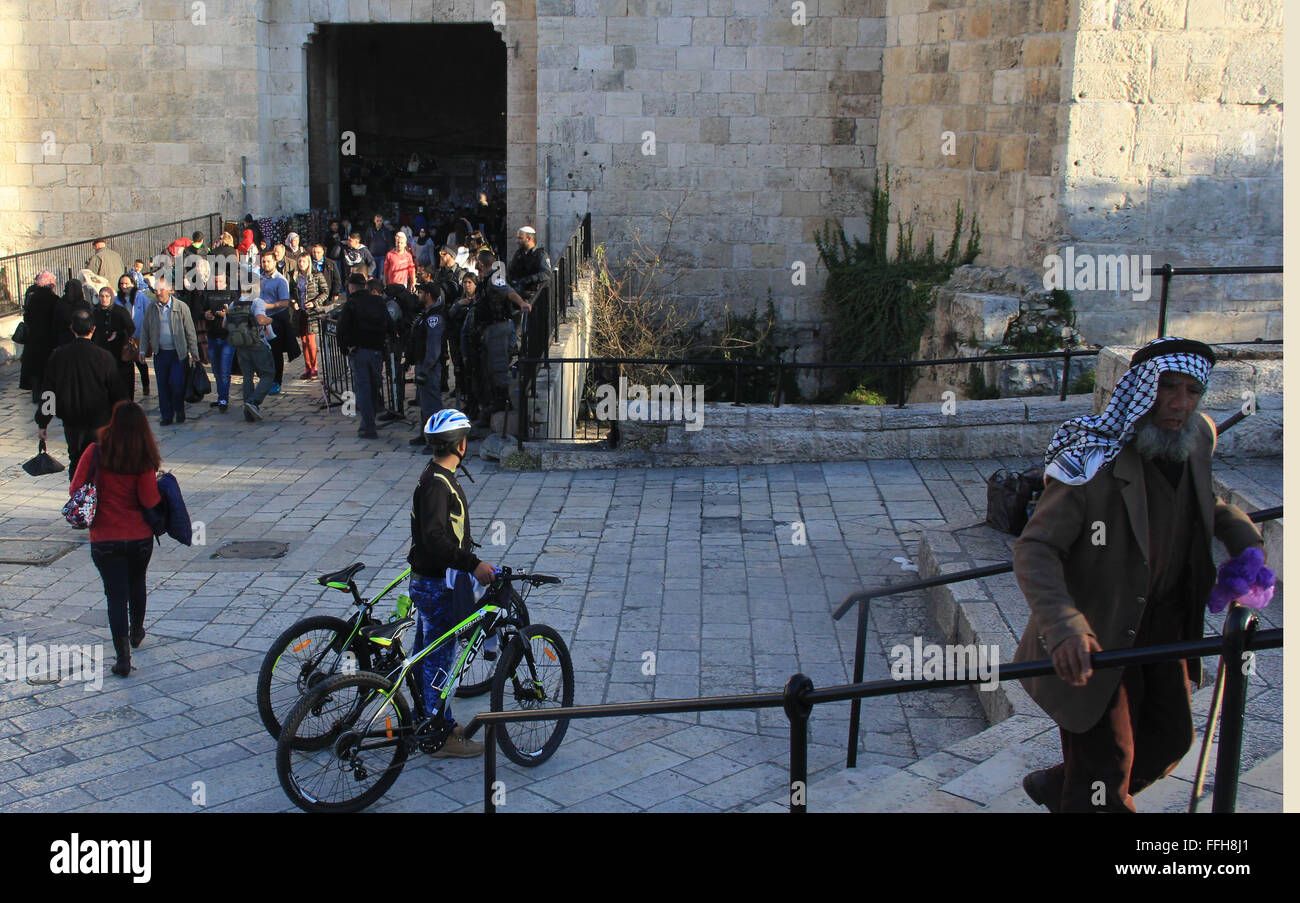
(321,646)
(345,743)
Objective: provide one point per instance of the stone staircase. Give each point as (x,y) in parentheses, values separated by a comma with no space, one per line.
(983,774)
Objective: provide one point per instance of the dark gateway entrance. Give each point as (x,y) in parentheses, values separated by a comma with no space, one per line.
(426,106)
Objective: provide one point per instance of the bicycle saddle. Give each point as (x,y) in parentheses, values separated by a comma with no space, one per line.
(343,577)
(384,634)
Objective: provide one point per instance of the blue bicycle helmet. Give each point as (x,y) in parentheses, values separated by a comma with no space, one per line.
(446,428)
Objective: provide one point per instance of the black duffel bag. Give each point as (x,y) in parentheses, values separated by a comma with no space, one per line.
(197,384)
(1011,498)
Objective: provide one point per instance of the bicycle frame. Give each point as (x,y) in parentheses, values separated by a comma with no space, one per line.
(485,620)
(365,607)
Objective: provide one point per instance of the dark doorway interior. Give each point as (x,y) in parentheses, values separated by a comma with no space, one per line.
(427,107)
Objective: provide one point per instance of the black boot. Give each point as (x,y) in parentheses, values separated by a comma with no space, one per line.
(137,629)
(123,648)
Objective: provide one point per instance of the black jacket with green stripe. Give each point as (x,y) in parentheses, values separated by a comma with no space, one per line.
(440,534)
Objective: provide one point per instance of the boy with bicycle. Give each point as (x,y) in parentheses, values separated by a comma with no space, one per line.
(441,545)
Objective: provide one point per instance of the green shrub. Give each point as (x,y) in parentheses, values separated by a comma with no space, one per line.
(878,307)
(979,390)
(863,395)
(741,337)
(1084,383)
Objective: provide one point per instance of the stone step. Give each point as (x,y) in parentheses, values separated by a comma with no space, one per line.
(983,773)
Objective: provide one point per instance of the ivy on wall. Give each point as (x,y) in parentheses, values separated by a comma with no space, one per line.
(878,308)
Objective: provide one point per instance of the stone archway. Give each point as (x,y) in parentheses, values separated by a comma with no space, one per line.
(280,181)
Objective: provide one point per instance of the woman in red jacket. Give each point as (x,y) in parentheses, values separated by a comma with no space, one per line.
(121,542)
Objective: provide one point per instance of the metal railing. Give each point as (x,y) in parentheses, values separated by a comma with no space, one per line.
(18,271)
(576,377)
(336,370)
(864,598)
(553,298)
(800,696)
(1168,272)
(581,365)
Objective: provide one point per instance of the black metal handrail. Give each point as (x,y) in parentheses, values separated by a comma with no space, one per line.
(800,696)
(532,364)
(1168,272)
(863,600)
(66,260)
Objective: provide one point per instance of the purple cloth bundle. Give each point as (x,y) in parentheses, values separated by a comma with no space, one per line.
(1244,580)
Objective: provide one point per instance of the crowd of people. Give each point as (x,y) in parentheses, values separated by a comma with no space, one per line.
(242,306)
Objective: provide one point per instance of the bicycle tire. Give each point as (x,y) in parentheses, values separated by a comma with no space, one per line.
(530,743)
(477,679)
(308,775)
(275,698)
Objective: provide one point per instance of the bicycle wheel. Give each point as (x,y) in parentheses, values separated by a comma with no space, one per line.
(536,673)
(478,676)
(303,656)
(353,769)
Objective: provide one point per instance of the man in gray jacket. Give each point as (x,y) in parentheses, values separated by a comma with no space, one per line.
(170,337)
(105,262)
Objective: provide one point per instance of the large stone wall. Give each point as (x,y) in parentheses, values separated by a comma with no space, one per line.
(762,127)
(121,113)
(1101,126)
(1098,125)
(1175,149)
(116,114)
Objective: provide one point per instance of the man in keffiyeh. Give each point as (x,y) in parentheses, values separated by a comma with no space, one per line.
(1118,554)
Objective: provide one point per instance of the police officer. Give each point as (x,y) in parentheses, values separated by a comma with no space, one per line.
(426,350)
(530,266)
(496,332)
(364,327)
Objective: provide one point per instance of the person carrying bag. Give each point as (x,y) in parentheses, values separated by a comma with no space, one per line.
(121,470)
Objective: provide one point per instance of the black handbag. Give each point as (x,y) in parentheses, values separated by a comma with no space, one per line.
(20,334)
(1011,499)
(197,384)
(42,463)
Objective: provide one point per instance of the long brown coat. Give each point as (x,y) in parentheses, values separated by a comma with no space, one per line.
(1078,586)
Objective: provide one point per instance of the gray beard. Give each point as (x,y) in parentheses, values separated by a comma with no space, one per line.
(1172,445)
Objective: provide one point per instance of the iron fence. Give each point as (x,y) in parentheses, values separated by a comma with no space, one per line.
(17,271)
(1240,634)
(336,371)
(1167,272)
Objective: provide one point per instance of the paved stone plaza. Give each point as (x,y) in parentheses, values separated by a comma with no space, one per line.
(697,565)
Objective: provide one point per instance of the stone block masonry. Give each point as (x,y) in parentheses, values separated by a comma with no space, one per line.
(1109,125)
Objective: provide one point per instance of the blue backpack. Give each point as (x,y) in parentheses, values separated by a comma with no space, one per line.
(170,515)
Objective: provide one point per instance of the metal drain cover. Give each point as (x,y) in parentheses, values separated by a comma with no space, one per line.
(32,551)
(249,550)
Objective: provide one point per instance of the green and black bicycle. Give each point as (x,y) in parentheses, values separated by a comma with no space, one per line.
(346,741)
(321,646)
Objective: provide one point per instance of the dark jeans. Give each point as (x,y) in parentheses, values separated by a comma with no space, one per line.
(221,353)
(433,603)
(367,381)
(169,372)
(126,373)
(123,564)
(79,437)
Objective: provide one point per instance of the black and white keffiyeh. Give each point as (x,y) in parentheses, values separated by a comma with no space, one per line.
(1084,445)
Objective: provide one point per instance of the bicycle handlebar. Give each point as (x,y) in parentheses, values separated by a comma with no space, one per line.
(505,575)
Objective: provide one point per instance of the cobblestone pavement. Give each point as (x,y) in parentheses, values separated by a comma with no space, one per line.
(698,566)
